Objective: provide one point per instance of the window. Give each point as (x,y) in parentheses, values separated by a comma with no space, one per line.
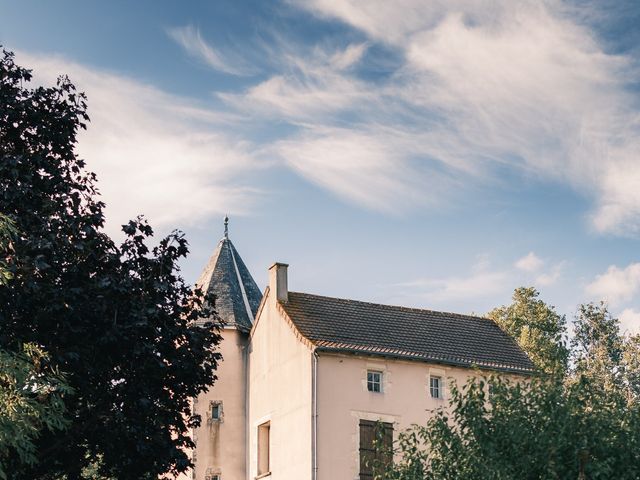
(215,413)
(264,431)
(374,381)
(376,441)
(435,387)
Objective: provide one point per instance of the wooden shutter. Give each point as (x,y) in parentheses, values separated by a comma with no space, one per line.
(370,457)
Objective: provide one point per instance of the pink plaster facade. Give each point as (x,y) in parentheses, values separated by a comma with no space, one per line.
(221,443)
(343,400)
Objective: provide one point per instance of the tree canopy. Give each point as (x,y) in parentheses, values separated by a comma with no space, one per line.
(580,421)
(117,320)
(537,327)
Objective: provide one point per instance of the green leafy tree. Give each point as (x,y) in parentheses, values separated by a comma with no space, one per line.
(538,329)
(7,233)
(31,400)
(117,319)
(631,367)
(598,346)
(538,429)
(584,424)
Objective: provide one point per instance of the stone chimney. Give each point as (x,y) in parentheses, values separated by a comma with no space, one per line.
(278,282)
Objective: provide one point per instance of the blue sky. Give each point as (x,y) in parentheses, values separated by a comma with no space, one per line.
(431,154)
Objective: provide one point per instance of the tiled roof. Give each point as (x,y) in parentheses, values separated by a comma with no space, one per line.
(237,296)
(336,324)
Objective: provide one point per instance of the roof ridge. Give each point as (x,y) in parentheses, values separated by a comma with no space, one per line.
(400,307)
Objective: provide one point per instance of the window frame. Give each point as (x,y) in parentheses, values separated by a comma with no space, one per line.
(215,405)
(439,389)
(263,452)
(371,383)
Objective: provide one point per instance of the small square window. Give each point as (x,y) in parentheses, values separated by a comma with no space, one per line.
(435,387)
(374,381)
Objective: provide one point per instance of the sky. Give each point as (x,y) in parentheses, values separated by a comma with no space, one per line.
(434,154)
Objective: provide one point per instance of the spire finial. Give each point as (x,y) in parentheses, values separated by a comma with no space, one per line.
(226,227)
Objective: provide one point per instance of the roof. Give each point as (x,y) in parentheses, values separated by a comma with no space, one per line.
(236,293)
(339,325)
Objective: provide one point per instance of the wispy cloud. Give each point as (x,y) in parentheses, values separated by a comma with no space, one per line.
(479,283)
(189,38)
(310,87)
(484,284)
(550,277)
(481,85)
(348,57)
(154,153)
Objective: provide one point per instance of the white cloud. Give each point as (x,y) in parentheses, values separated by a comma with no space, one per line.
(529,263)
(549,278)
(349,56)
(482,85)
(312,85)
(630,321)
(155,154)
(191,40)
(616,285)
(364,167)
(480,283)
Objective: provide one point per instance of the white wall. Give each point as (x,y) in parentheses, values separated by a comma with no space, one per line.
(280,392)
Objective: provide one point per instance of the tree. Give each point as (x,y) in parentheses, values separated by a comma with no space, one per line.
(631,367)
(117,319)
(7,233)
(597,345)
(572,423)
(537,327)
(31,400)
(540,429)
(31,392)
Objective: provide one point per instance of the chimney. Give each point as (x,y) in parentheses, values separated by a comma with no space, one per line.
(278,281)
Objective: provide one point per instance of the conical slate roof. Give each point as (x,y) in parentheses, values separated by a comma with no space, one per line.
(237,296)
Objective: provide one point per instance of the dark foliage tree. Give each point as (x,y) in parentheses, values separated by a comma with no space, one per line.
(117,320)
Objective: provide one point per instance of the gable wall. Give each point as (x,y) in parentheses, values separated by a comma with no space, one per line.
(280,392)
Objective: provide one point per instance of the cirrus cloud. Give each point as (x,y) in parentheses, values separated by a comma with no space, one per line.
(481,85)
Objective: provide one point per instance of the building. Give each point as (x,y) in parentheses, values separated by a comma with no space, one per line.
(305,377)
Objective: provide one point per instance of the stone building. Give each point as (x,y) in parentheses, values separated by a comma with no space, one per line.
(305,377)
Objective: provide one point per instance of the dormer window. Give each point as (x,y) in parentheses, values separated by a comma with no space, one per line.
(374,381)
